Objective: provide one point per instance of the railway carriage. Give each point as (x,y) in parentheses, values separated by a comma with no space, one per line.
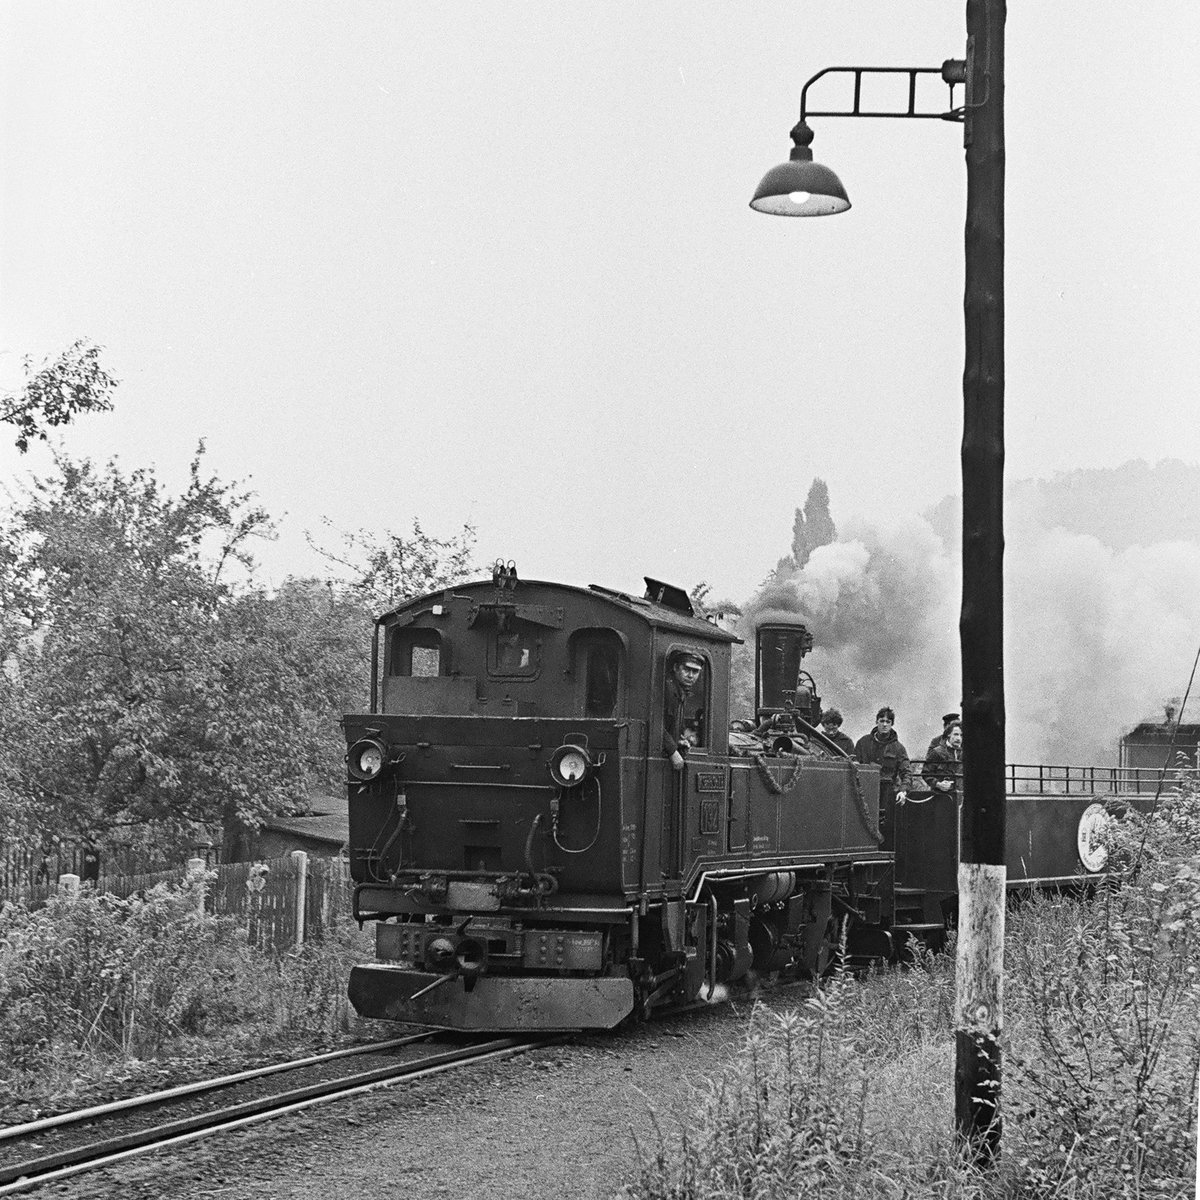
(533,858)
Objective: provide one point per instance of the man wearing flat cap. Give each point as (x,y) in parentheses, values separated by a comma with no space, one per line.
(947,720)
(683,708)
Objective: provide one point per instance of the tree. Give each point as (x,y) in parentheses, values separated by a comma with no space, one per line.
(386,569)
(57,392)
(127,700)
(156,690)
(813,526)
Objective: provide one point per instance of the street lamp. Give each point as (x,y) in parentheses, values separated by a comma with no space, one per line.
(801,187)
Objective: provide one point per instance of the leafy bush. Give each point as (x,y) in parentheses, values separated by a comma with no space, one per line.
(90,982)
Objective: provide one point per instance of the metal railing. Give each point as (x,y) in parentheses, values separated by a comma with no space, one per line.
(1042,779)
(1039,779)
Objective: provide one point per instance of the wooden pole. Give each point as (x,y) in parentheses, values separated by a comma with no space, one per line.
(981,873)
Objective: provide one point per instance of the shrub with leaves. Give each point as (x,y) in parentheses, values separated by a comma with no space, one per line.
(90,982)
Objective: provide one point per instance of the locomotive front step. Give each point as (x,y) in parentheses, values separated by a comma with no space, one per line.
(494,1003)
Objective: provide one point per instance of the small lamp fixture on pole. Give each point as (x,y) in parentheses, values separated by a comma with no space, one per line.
(800,187)
(803,188)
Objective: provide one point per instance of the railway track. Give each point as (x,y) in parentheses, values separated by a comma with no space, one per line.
(105,1135)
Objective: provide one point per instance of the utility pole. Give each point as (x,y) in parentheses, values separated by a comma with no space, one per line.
(981,872)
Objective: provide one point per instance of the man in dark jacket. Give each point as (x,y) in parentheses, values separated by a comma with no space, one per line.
(831,727)
(683,706)
(947,720)
(943,763)
(883,748)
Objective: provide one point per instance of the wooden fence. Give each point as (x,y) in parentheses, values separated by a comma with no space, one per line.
(280,902)
(21,866)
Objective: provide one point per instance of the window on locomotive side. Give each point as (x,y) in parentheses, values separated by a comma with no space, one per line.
(416,652)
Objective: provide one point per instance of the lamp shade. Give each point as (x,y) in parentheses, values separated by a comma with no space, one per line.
(800,187)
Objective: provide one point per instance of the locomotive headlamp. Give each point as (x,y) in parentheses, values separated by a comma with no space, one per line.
(366,758)
(571,765)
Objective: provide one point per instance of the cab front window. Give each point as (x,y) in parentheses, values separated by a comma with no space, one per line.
(514,653)
(415,652)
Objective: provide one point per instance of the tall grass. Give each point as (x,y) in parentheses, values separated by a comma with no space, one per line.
(91,985)
(851,1095)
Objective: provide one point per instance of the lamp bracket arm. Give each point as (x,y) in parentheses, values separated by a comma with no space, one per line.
(953,72)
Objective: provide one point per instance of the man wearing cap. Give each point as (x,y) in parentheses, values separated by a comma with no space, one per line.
(683,709)
(947,720)
(943,763)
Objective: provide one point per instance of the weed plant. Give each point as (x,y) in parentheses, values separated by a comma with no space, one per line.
(92,986)
(852,1094)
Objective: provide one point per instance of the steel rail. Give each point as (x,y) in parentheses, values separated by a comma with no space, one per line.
(97,1156)
(202,1085)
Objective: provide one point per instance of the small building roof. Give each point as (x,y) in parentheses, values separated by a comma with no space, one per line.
(332,827)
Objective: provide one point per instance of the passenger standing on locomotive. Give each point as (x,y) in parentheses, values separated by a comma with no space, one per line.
(884,748)
(948,720)
(683,707)
(943,763)
(831,727)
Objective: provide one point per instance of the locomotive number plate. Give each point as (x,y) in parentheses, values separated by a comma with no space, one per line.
(710,781)
(710,816)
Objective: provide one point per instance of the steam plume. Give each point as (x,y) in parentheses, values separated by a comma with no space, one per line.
(1096,635)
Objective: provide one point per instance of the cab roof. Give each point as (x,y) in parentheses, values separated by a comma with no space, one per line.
(653,611)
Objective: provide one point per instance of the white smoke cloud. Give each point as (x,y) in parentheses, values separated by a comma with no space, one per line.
(1096,636)
(1097,639)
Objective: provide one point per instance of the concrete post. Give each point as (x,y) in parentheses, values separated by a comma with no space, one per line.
(300,859)
(69,884)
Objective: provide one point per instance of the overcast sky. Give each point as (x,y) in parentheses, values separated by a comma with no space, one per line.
(494,263)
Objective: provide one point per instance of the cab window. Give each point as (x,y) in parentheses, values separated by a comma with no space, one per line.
(416,652)
(596,666)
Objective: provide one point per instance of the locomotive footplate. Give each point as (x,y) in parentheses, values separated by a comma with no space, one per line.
(495,1004)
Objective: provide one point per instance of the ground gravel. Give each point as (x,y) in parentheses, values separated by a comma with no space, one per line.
(555,1122)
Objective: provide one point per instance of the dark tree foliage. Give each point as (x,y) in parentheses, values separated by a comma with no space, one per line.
(58,391)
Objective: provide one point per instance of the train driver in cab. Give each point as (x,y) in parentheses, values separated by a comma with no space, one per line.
(683,705)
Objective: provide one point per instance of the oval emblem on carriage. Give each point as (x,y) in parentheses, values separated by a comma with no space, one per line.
(1093,824)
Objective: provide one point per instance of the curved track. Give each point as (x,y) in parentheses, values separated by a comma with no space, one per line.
(108,1134)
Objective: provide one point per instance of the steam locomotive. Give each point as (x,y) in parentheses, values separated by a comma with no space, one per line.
(536,856)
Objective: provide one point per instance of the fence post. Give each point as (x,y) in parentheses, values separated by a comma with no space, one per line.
(300,859)
(69,883)
(195,875)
